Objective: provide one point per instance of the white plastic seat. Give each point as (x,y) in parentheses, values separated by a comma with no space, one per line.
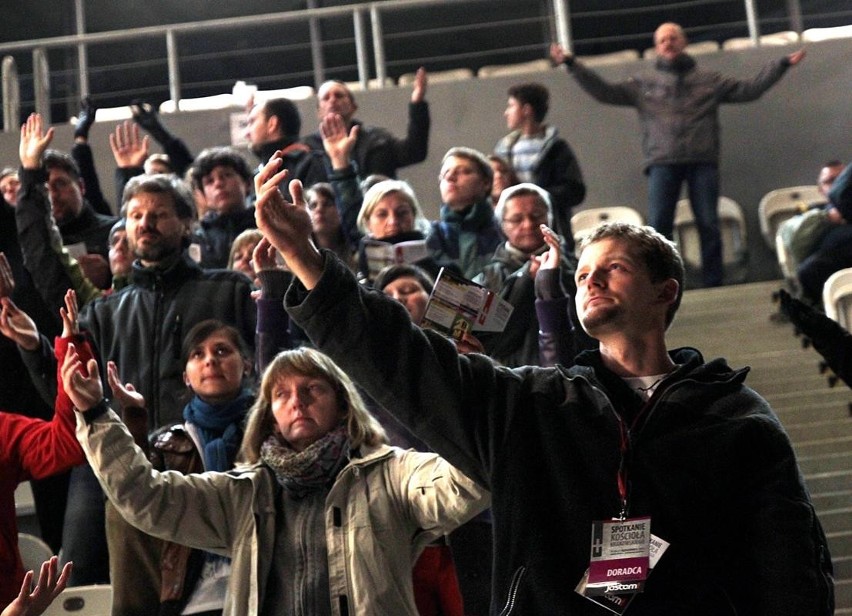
(780,204)
(787,37)
(34,552)
(372,84)
(837,297)
(583,222)
(455,74)
(94,600)
(203,103)
(24,501)
(732,227)
(604,59)
(812,35)
(500,70)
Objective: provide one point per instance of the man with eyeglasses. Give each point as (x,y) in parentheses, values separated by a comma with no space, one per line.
(515,274)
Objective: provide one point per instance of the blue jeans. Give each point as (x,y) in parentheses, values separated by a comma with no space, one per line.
(702,181)
(84,533)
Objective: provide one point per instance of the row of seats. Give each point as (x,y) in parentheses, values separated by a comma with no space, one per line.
(732,225)
(238,100)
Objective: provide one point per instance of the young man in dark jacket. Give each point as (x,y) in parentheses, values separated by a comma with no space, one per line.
(539,155)
(632,432)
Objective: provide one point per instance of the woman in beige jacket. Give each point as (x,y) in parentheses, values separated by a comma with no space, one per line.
(323,517)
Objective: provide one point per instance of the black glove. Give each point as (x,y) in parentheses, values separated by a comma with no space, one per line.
(86,118)
(145,115)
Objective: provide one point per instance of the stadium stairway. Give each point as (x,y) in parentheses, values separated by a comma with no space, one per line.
(734,322)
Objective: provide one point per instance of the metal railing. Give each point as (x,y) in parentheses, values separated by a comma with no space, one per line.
(370,41)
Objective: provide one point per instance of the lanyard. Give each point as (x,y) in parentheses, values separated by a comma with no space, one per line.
(624,449)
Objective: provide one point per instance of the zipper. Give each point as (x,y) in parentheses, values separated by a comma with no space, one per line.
(513,590)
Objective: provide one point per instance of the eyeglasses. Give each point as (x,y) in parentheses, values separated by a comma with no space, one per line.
(535,219)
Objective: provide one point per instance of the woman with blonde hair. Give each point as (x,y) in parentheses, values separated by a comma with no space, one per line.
(321,518)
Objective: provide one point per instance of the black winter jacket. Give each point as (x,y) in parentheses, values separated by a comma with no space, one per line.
(708,460)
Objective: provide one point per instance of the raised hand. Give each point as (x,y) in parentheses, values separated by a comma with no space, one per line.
(49,587)
(421,81)
(287,226)
(265,257)
(126,393)
(128,148)
(82,383)
(553,257)
(337,140)
(88,110)
(34,141)
(7,279)
(17,325)
(796,57)
(70,326)
(558,54)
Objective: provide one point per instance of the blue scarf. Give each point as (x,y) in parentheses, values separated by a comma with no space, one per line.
(220,427)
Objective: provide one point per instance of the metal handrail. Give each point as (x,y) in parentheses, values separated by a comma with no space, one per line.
(560,13)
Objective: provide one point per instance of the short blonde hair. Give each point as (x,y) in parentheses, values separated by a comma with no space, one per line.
(249,236)
(363,428)
(382,189)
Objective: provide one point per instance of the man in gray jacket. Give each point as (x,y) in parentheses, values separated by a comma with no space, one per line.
(678,107)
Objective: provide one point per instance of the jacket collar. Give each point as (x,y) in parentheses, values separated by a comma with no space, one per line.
(184,268)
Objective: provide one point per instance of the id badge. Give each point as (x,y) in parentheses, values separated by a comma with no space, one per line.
(617,596)
(619,554)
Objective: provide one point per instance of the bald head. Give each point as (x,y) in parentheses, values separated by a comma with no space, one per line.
(669,41)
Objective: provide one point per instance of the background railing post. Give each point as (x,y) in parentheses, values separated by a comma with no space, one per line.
(82,50)
(562,17)
(794,10)
(174,67)
(11,94)
(753,26)
(41,83)
(317,57)
(378,45)
(361,48)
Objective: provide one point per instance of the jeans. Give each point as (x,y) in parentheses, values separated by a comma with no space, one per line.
(84,533)
(702,180)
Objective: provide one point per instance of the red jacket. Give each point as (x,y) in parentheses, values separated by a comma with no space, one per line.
(33,449)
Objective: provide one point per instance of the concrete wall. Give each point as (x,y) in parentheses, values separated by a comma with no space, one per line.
(780,140)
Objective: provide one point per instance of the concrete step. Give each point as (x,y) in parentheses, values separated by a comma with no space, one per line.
(842,567)
(826,462)
(836,521)
(832,500)
(843,596)
(831,482)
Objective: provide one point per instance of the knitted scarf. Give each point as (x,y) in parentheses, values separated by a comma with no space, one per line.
(220,427)
(301,472)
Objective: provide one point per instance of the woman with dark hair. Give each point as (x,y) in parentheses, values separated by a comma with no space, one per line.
(217,374)
(323,517)
(325,220)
